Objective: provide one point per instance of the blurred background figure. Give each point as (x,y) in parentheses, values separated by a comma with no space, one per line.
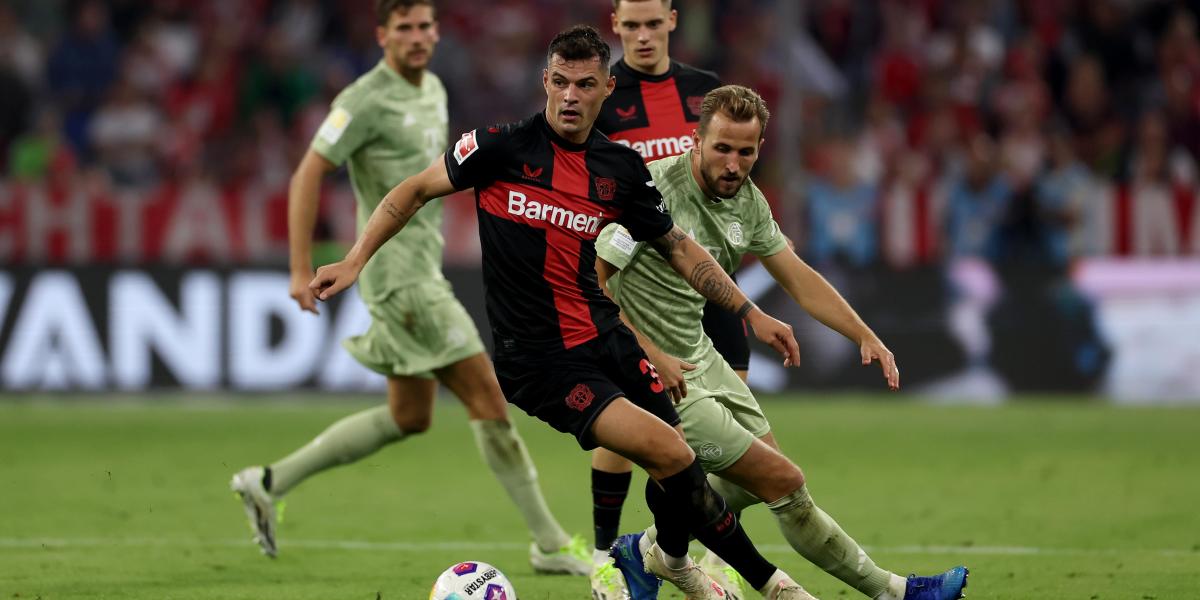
(1054,136)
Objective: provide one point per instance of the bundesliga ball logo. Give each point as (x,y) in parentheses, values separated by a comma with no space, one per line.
(472,581)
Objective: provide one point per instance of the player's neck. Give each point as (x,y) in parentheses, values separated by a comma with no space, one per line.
(659,68)
(413,76)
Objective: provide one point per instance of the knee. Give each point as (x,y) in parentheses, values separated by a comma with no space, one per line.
(673,457)
(791,479)
(412,424)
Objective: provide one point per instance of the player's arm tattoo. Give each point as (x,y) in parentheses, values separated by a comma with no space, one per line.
(666,244)
(398,214)
(712,283)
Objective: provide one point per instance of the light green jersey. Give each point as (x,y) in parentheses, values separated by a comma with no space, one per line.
(387,129)
(652,295)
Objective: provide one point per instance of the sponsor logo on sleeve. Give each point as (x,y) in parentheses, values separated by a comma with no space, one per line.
(466,146)
(621,240)
(334,126)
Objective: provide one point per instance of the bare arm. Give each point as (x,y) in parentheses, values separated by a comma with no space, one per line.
(304,199)
(698,268)
(670,368)
(818,298)
(392,214)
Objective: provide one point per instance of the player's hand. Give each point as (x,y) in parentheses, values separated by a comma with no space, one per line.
(671,374)
(333,278)
(301,293)
(872,349)
(775,333)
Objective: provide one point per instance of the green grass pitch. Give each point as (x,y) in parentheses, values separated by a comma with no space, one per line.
(1064,498)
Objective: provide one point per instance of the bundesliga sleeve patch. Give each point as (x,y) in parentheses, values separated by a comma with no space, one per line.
(621,240)
(334,126)
(466,146)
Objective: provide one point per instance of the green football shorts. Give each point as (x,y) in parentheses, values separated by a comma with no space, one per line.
(720,416)
(415,330)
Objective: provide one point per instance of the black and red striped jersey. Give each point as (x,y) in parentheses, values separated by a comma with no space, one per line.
(542,201)
(655,114)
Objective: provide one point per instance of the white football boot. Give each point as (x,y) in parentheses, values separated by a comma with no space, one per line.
(259,505)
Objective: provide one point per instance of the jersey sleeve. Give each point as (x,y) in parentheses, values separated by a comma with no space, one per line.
(645,214)
(475,158)
(346,129)
(616,246)
(765,237)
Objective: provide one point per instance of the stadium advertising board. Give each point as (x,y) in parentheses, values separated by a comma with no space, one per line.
(965,332)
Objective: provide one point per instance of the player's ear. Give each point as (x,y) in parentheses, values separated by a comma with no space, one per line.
(615,25)
(610,85)
(381,35)
(674,20)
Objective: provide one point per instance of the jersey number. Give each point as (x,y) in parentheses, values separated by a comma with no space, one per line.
(656,385)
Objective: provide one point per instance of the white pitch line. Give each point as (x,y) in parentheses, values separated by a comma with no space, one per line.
(362,545)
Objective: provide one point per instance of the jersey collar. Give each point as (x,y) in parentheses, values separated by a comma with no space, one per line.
(562,142)
(640,76)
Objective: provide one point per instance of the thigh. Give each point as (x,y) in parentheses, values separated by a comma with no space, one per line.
(473,380)
(411,402)
(629,431)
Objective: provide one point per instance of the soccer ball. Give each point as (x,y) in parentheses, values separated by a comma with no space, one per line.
(472,581)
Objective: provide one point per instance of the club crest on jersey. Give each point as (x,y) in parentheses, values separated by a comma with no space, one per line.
(626,114)
(466,146)
(735,233)
(580,397)
(606,188)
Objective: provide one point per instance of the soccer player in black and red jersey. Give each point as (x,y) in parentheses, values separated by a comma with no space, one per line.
(654,109)
(544,188)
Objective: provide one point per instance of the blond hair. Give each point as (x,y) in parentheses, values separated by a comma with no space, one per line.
(739,103)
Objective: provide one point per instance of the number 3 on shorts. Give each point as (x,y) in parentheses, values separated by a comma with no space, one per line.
(648,369)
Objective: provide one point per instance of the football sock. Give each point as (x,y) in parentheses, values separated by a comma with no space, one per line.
(711,522)
(818,538)
(608,495)
(347,440)
(506,456)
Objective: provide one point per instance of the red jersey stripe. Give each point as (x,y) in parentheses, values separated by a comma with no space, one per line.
(563,254)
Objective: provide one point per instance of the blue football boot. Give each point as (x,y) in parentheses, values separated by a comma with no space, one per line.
(947,586)
(628,559)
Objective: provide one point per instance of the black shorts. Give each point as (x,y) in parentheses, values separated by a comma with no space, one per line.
(729,336)
(568,389)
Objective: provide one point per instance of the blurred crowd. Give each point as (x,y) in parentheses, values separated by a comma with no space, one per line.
(927,128)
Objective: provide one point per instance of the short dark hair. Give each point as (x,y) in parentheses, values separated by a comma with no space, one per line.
(739,103)
(385,8)
(581,42)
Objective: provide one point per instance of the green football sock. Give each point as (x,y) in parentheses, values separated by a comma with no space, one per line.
(818,538)
(506,456)
(347,440)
